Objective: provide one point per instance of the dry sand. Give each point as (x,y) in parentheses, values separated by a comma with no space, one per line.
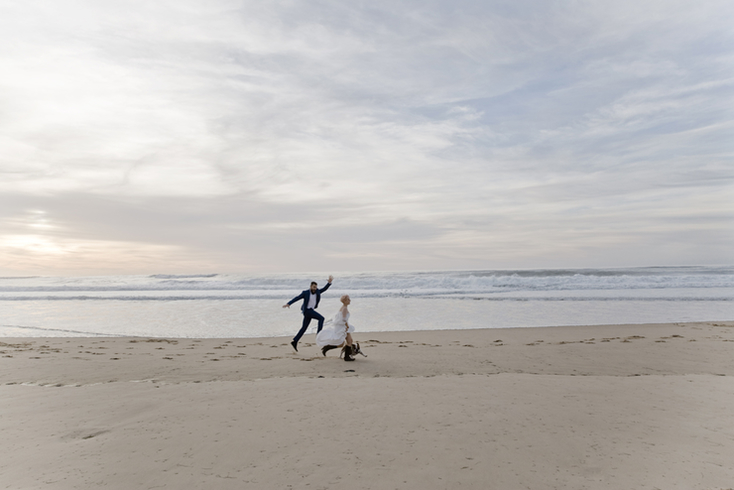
(608,407)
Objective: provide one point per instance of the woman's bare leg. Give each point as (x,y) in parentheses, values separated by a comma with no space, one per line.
(349,339)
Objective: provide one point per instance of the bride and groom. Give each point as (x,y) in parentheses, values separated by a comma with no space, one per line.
(337,334)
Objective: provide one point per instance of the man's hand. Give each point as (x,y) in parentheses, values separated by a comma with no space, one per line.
(286,306)
(331,278)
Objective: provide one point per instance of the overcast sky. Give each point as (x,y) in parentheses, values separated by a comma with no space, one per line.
(261,136)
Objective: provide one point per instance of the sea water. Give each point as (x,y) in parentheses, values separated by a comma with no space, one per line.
(232,305)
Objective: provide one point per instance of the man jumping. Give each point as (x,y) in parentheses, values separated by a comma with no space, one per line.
(311,298)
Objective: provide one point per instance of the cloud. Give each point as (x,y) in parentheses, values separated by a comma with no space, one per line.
(429,134)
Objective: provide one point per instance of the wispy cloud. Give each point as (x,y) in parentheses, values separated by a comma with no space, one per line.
(247,135)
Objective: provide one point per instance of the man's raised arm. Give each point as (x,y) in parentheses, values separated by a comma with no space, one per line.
(328,285)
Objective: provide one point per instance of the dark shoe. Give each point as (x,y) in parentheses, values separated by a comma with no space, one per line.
(295,345)
(327,348)
(348,353)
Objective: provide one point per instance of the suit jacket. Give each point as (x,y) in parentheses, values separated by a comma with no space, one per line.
(306,296)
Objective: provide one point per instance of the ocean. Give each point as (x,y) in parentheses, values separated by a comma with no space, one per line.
(235,305)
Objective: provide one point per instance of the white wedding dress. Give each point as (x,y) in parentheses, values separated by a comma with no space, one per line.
(335,331)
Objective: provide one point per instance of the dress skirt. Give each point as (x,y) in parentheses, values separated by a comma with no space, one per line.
(335,331)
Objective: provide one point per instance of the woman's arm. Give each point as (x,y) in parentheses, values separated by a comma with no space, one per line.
(345,311)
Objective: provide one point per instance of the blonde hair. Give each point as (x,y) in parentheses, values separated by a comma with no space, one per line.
(344,297)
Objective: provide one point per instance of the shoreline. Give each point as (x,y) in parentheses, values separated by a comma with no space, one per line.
(123,336)
(613,406)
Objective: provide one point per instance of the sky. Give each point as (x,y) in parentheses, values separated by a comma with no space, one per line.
(224,136)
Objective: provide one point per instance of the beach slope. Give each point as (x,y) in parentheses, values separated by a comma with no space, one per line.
(608,407)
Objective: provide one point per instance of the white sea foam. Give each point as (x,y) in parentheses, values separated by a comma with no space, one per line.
(400,284)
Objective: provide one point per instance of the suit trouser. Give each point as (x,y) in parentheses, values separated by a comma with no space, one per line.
(309,314)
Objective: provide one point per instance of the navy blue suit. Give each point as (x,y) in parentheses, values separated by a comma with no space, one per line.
(309,313)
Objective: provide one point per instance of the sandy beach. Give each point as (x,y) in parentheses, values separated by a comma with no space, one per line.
(608,407)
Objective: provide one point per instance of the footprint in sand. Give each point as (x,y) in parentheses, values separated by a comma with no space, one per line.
(633,337)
